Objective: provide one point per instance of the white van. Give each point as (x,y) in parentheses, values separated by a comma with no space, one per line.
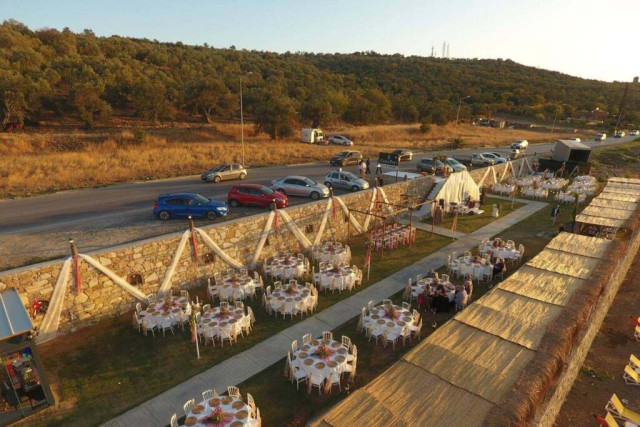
(520,145)
(312,136)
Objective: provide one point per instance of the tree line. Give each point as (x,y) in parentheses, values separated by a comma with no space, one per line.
(48,72)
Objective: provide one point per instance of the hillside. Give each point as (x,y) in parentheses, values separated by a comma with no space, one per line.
(56,75)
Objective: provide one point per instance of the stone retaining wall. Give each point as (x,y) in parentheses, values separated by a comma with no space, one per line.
(100,297)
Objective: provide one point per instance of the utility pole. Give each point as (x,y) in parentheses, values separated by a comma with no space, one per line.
(455,129)
(242,117)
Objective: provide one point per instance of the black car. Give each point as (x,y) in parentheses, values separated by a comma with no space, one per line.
(403,155)
(346,158)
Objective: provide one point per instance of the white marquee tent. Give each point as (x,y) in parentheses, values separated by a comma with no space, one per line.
(457,188)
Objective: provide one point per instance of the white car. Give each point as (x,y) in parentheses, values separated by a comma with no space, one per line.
(575,139)
(340,140)
(634,132)
(601,137)
(520,144)
(497,158)
(619,134)
(456,165)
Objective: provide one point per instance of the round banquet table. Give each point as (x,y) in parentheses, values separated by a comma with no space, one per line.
(428,285)
(213,320)
(287,269)
(477,270)
(238,413)
(378,319)
(332,253)
(341,278)
(504,188)
(238,286)
(158,310)
(535,192)
(503,252)
(282,295)
(313,364)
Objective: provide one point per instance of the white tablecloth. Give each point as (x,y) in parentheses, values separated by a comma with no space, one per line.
(342,279)
(554,184)
(528,181)
(570,198)
(214,320)
(428,285)
(156,312)
(287,269)
(241,286)
(476,270)
(502,252)
(503,188)
(318,366)
(402,233)
(379,319)
(332,253)
(539,193)
(281,295)
(239,412)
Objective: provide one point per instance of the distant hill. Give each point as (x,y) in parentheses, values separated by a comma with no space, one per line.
(62,74)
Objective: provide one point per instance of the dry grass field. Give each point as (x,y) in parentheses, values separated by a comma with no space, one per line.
(54,159)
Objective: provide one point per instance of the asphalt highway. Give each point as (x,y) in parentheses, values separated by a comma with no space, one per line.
(82,209)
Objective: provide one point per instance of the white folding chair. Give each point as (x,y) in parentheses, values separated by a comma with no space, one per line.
(187,407)
(327,335)
(234,391)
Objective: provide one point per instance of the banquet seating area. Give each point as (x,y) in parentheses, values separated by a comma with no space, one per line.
(321,364)
(214,410)
(163,314)
(290,299)
(389,323)
(539,186)
(393,237)
(224,323)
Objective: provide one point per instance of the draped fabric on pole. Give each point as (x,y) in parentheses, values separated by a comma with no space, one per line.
(354,221)
(367,220)
(306,243)
(507,166)
(323,223)
(263,239)
(529,168)
(215,248)
(166,283)
(486,173)
(51,321)
(135,292)
(384,197)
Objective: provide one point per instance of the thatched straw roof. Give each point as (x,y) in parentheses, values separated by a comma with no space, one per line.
(614,179)
(466,368)
(615,204)
(607,212)
(618,196)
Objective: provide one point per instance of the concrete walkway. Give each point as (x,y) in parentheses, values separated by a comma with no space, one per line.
(158,411)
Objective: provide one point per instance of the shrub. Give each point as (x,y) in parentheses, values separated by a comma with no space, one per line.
(457,143)
(139,135)
(425,125)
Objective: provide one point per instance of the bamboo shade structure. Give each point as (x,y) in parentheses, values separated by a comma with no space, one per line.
(547,286)
(635,181)
(579,245)
(607,212)
(598,220)
(560,262)
(615,204)
(618,196)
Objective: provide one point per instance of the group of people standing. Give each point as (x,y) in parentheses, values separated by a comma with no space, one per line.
(364,168)
(439,301)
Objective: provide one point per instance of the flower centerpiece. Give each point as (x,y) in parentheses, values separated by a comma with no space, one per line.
(292,289)
(391,312)
(168,303)
(330,247)
(224,311)
(217,418)
(335,268)
(234,278)
(287,259)
(324,351)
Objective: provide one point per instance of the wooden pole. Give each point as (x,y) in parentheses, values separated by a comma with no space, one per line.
(410,225)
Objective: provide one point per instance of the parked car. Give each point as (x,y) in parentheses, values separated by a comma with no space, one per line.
(497,158)
(456,165)
(346,158)
(403,155)
(345,181)
(224,171)
(300,186)
(619,134)
(340,140)
(601,137)
(476,160)
(181,205)
(428,165)
(520,144)
(634,132)
(575,139)
(256,195)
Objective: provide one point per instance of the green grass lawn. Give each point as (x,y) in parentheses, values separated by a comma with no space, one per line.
(470,223)
(620,160)
(101,371)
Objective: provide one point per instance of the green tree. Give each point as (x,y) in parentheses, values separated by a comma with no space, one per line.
(150,100)
(209,97)
(273,111)
(86,98)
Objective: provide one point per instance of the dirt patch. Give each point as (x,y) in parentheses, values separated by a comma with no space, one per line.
(601,374)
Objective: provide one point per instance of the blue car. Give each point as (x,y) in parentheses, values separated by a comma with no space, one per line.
(181,205)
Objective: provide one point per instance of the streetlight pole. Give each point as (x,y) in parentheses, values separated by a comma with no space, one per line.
(242,117)
(455,129)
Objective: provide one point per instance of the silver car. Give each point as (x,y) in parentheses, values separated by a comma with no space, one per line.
(300,186)
(224,171)
(345,181)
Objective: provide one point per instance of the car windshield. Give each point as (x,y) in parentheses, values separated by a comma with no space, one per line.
(309,182)
(344,153)
(266,190)
(218,168)
(453,162)
(349,175)
(201,199)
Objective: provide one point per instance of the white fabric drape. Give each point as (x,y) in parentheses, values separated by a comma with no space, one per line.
(367,220)
(493,172)
(384,197)
(51,321)
(486,173)
(215,248)
(263,239)
(166,283)
(457,187)
(323,223)
(505,170)
(135,292)
(354,221)
(306,243)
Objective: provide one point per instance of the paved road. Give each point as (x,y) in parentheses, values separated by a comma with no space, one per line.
(37,228)
(52,211)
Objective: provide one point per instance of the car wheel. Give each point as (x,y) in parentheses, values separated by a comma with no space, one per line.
(211,216)
(355,188)
(281,190)
(315,195)
(164,215)
(243,175)
(272,205)
(216,179)
(233,203)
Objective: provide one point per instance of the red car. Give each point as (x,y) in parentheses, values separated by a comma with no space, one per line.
(256,195)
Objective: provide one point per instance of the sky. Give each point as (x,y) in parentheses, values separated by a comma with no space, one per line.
(585,38)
